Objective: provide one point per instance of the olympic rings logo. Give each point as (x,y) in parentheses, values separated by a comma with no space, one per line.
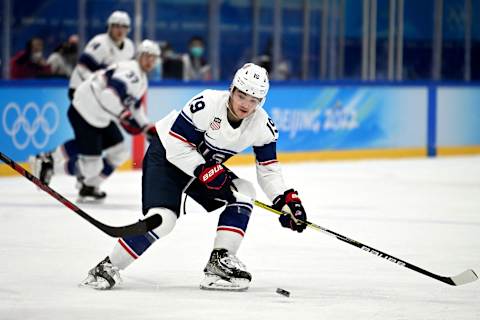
(31,120)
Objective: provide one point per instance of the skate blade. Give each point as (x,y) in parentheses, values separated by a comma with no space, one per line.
(216,283)
(90,200)
(101,284)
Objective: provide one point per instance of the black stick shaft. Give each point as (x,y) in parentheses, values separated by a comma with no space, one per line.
(465,277)
(138,228)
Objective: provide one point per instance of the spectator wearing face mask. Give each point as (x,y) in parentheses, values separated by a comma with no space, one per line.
(64,58)
(195,66)
(30,63)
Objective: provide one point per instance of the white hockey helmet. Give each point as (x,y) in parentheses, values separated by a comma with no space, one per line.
(252,80)
(149,47)
(119,17)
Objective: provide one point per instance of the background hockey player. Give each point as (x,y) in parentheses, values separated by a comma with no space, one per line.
(110,96)
(187,155)
(104,49)
(101,51)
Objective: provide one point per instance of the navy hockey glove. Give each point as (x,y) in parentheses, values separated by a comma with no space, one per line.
(150,131)
(290,202)
(129,123)
(216,178)
(133,127)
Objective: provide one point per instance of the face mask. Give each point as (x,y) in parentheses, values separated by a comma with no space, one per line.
(71,49)
(37,56)
(196,51)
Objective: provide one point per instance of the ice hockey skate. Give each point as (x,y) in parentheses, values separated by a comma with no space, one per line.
(225,272)
(89,194)
(42,167)
(103,277)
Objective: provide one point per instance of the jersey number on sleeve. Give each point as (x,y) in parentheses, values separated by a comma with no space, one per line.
(197,104)
(132,77)
(272,127)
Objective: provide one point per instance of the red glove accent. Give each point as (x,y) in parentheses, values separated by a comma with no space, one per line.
(213,176)
(216,178)
(291,204)
(125,115)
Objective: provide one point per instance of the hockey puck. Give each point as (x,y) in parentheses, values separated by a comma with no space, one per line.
(283,292)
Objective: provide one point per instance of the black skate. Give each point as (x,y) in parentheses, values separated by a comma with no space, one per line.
(225,271)
(104,276)
(42,167)
(90,194)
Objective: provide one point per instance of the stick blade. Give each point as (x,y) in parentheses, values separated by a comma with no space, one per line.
(139,228)
(465,277)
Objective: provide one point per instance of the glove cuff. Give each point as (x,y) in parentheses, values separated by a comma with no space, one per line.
(278,202)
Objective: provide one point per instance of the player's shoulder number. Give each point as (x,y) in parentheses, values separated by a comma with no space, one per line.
(95,45)
(272,128)
(132,77)
(197,104)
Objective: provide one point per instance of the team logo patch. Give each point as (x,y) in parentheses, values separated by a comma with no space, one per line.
(215,124)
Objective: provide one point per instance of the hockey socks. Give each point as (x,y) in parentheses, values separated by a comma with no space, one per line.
(232,225)
(128,249)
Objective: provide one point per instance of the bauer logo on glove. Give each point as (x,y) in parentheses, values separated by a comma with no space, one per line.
(213,171)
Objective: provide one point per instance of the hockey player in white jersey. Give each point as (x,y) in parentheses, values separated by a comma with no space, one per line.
(104,49)
(187,156)
(110,96)
(100,52)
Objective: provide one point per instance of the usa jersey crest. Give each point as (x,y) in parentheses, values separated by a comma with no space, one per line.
(215,124)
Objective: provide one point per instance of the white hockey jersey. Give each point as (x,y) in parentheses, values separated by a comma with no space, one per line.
(105,95)
(202,132)
(99,53)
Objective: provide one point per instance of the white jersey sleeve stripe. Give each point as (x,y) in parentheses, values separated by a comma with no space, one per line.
(220,149)
(179,137)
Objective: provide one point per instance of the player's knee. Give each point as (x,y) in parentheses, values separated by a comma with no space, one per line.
(245,188)
(117,154)
(169,219)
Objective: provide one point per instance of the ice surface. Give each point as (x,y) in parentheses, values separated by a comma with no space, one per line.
(424,211)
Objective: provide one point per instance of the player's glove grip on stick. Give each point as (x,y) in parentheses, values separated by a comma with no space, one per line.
(216,178)
(290,203)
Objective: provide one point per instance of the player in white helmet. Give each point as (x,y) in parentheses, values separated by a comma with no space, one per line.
(187,155)
(109,97)
(101,51)
(104,49)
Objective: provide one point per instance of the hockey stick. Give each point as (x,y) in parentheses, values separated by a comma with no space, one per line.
(463,278)
(138,228)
